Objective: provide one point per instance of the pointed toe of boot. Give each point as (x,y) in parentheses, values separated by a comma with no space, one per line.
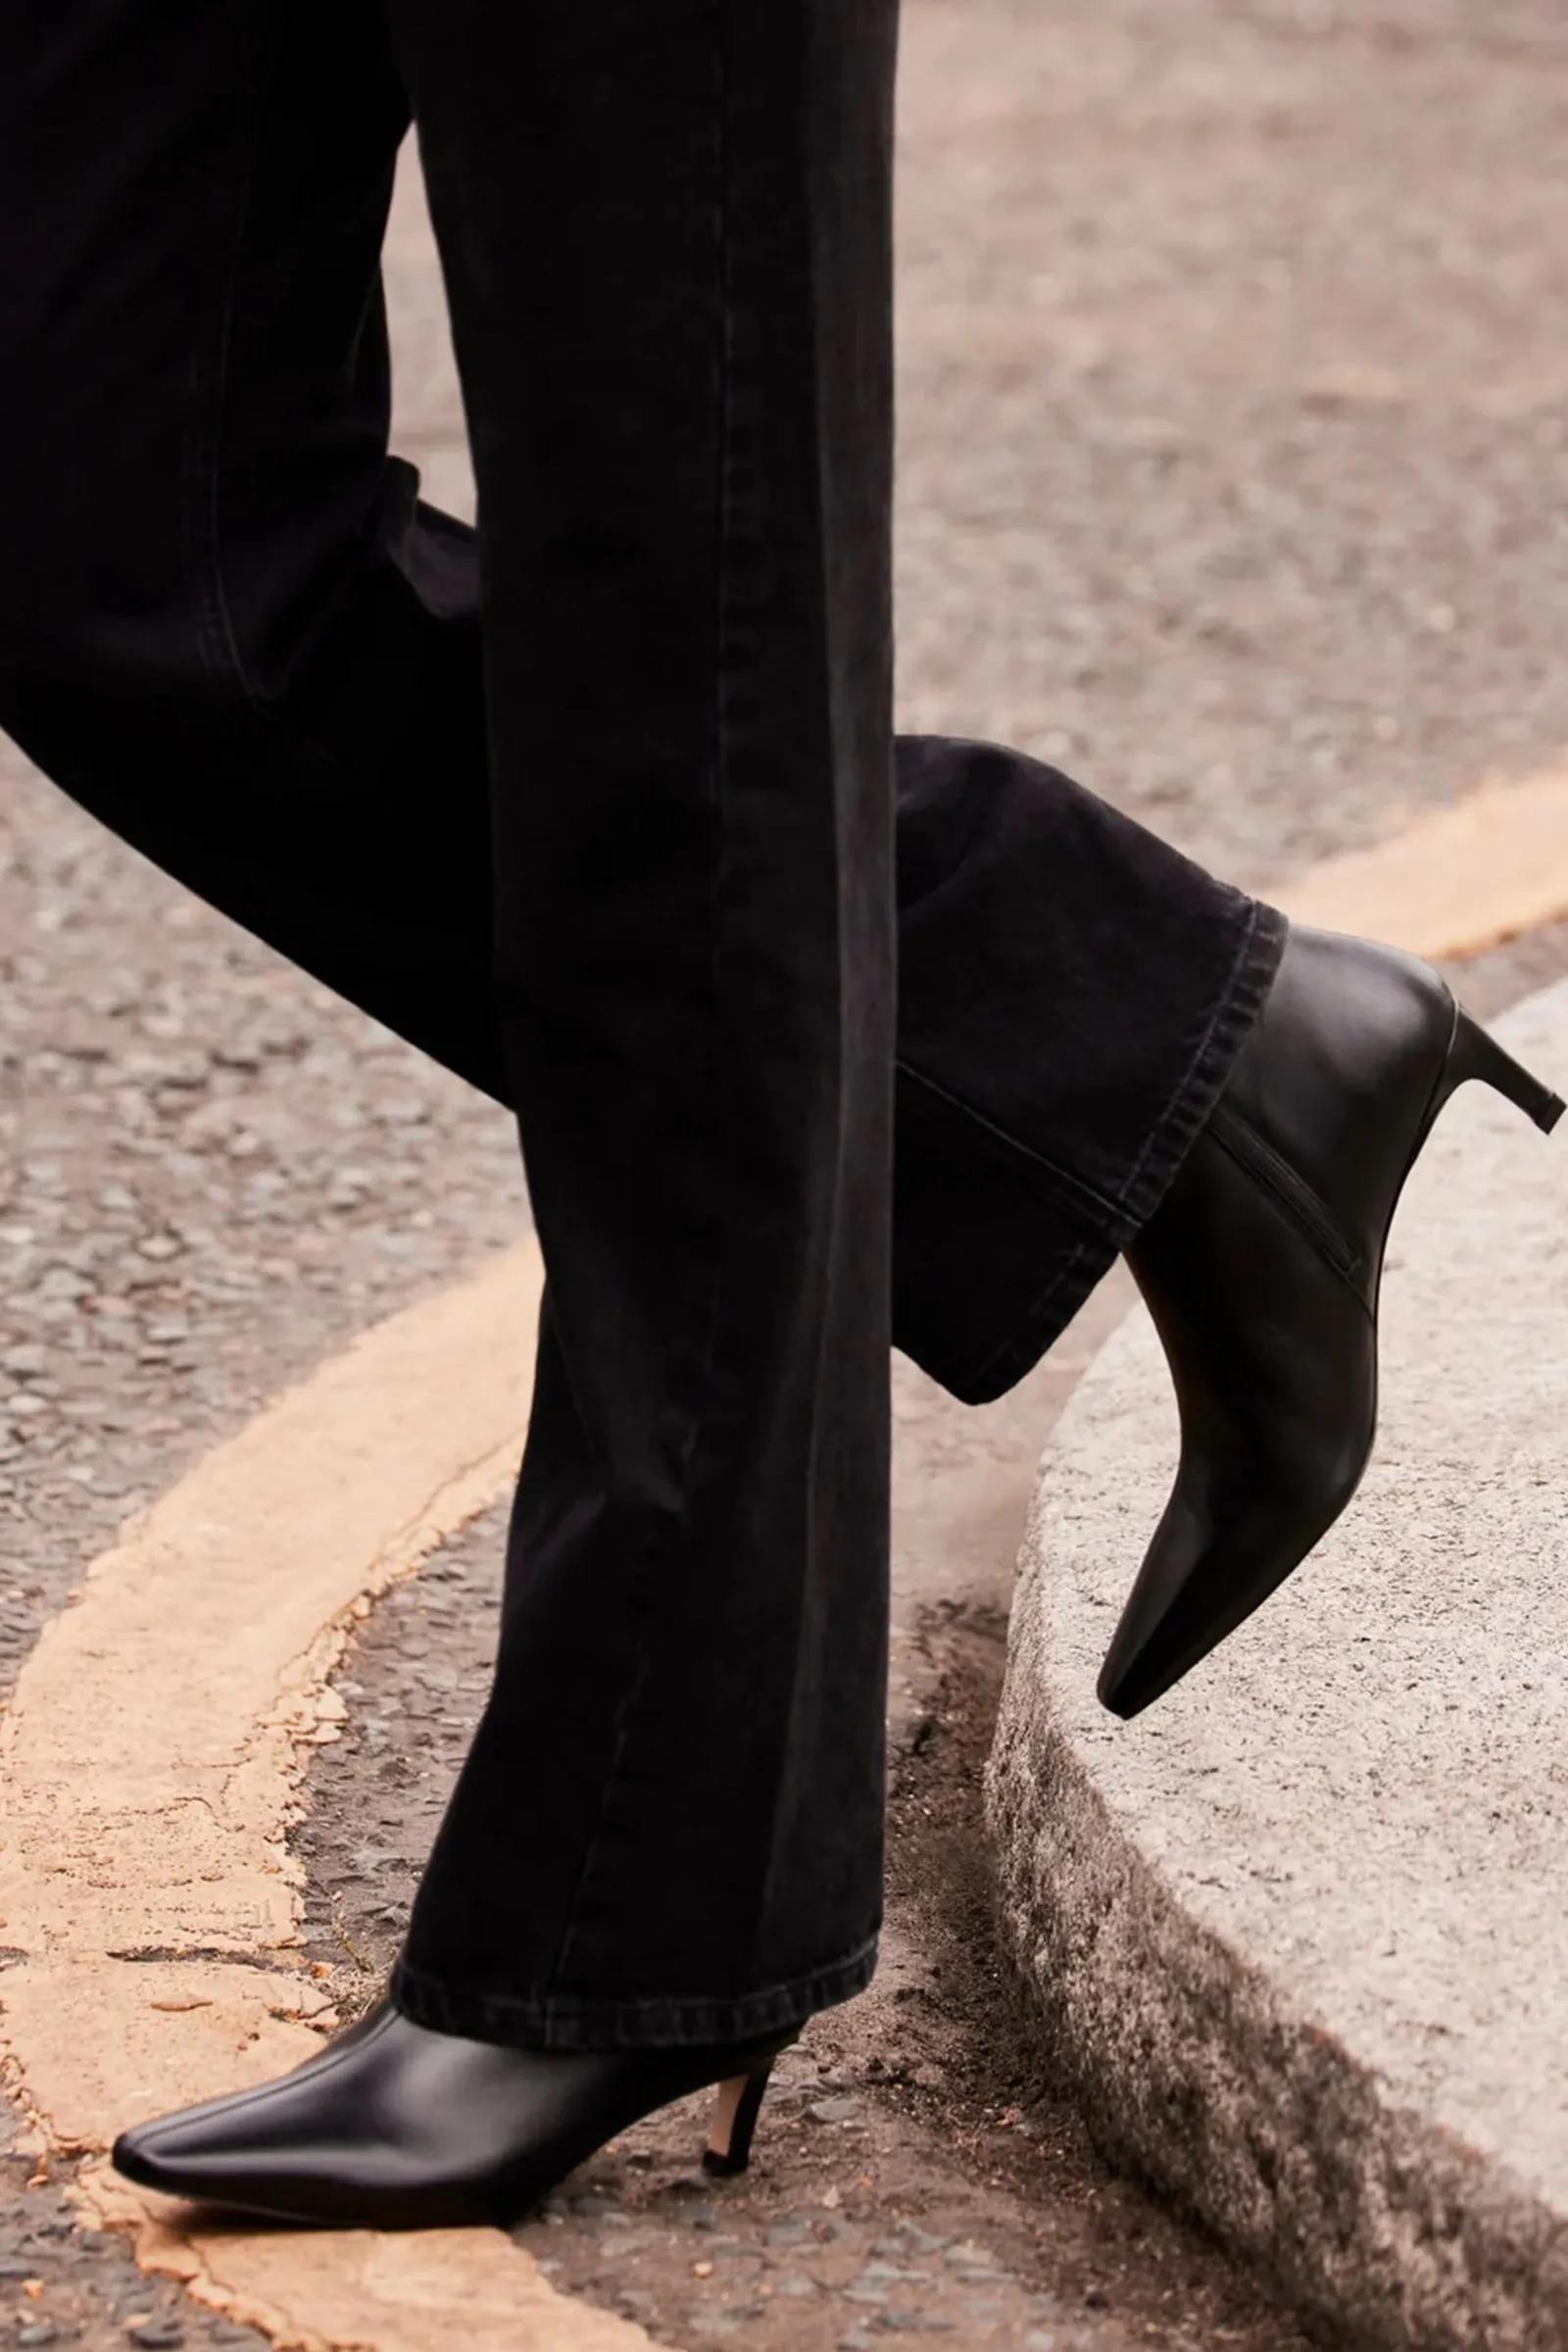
(395,2127)
(335,2141)
(180,2161)
(134,2155)
(1204,1575)
(1262,1270)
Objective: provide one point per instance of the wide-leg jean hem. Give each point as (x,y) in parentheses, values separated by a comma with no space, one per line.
(1236,1010)
(554,2021)
(1000,1208)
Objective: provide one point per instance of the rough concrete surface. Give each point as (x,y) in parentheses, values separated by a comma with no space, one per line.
(1300,1927)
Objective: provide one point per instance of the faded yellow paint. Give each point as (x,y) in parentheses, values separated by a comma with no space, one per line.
(1456,882)
(433,2291)
(151,1756)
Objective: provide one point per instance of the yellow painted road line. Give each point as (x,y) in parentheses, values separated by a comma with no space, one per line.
(1458,881)
(151,1756)
(151,1759)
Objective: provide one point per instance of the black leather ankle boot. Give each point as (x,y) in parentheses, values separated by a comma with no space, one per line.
(1261,1270)
(394,2127)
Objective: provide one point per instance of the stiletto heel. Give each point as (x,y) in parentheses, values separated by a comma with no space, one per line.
(1262,1269)
(735,2112)
(1475,1054)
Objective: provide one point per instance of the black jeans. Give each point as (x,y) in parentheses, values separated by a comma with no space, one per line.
(631,869)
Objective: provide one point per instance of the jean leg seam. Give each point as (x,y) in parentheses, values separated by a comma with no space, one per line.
(1110,1211)
(1070,1191)
(1079,1274)
(218,638)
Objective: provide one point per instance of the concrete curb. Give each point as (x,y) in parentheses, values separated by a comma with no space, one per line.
(1296,1932)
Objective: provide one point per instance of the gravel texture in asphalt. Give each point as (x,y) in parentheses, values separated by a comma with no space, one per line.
(1234,404)
(1234,433)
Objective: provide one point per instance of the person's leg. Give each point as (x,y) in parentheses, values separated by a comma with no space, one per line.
(666,232)
(1073,994)
(223,627)
(230,631)
(665,236)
